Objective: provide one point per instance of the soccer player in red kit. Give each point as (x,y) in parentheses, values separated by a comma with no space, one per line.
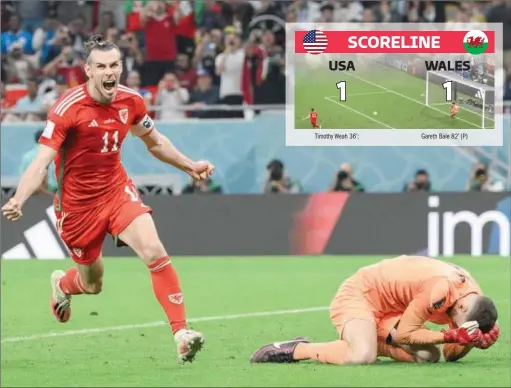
(84,134)
(313,116)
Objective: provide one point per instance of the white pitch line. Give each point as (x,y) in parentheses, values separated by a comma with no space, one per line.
(96,330)
(67,333)
(358,112)
(408,98)
(361,94)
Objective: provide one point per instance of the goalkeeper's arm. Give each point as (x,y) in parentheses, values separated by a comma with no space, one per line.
(411,330)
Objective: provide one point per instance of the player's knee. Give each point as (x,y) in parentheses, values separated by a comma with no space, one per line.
(152,250)
(430,354)
(93,287)
(363,356)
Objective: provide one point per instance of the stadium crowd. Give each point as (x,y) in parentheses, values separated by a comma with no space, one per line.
(192,53)
(184,55)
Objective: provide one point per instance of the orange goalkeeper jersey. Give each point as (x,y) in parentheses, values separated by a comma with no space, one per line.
(420,288)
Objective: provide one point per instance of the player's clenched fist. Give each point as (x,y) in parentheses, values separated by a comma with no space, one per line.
(201,170)
(489,338)
(12,210)
(463,336)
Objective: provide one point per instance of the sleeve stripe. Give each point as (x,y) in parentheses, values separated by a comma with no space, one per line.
(67,99)
(70,103)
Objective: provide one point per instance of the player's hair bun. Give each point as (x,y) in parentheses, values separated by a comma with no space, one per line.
(96,40)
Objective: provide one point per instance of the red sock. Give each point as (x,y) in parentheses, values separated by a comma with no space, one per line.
(70,283)
(168,292)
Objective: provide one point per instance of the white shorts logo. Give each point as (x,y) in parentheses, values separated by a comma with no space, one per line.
(78,252)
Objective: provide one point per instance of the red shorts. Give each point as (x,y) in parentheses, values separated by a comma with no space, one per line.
(84,232)
(313,123)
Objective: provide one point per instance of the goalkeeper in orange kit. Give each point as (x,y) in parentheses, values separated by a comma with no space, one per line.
(382,309)
(453,109)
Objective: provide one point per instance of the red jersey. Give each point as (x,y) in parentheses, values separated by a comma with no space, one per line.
(160,39)
(313,116)
(88,136)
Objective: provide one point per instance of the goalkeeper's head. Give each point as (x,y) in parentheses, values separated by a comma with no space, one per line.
(474,307)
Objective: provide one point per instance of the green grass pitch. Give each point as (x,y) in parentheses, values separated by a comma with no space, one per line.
(131,348)
(398,99)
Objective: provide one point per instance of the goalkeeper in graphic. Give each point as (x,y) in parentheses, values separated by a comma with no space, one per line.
(453,110)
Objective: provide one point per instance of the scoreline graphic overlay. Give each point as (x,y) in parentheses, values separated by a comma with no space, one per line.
(392,84)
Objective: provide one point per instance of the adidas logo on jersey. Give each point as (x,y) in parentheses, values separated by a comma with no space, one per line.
(93,123)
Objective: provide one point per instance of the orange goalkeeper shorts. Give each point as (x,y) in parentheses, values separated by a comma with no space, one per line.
(350,303)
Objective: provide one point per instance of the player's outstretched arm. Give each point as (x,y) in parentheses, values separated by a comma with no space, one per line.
(30,182)
(35,174)
(163,149)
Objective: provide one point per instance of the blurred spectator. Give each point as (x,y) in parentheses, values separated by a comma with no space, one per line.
(208,15)
(344,180)
(49,184)
(53,95)
(43,37)
(271,80)
(204,94)
(4,102)
(229,66)
(16,36)
(420,183)
(160,38)
(53,47)
(479,179)
(171,95)
(77,34)
(133,82)
(106,21)
(327,13)
(112,35)
(68,65)
(18,67)
(207,186)
(210,44)
(277,181)
(132,58)
(31,105)
(6,10)
(270,16)
(186,75)
(500,12)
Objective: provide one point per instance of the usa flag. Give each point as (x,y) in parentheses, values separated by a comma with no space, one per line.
(315,42)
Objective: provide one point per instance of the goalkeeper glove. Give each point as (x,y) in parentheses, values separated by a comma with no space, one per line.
(468,334)
(489,338)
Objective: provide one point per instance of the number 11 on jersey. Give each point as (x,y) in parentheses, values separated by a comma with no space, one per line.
(341,85)
(115,137)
